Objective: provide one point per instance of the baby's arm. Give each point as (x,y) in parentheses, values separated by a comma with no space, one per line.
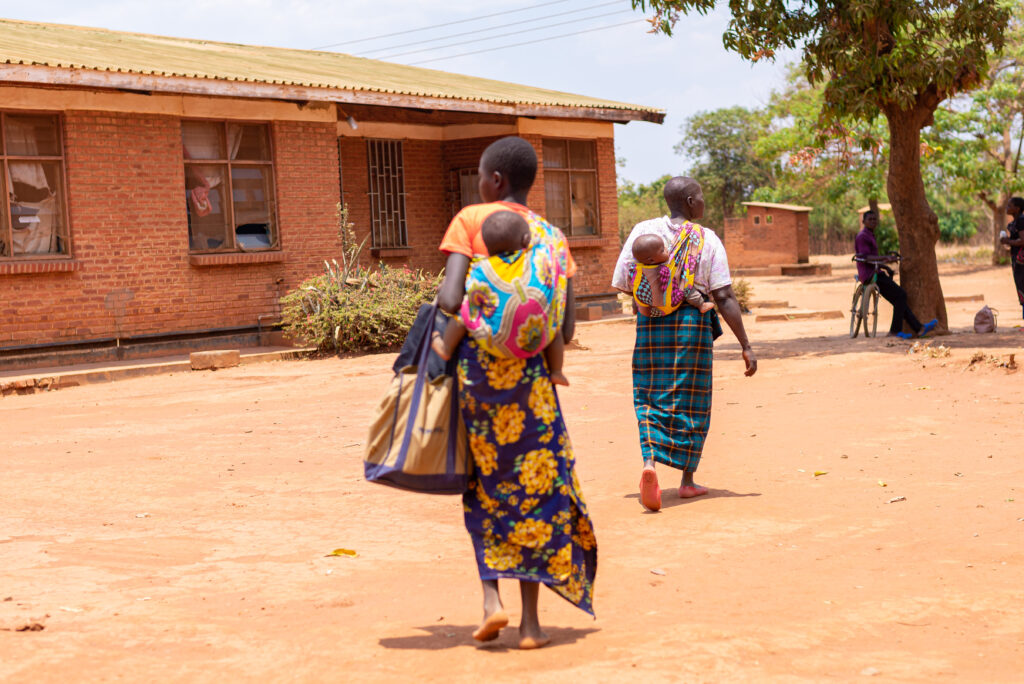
(445,345)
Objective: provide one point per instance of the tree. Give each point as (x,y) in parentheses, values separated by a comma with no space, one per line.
(897,58)
(639,202)
(721,145)
(977,138)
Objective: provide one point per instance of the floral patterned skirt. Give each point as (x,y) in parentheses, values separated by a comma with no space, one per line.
(524,509)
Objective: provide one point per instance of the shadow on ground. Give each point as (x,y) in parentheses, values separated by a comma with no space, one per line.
(670,497)
(440,637)
(842,344)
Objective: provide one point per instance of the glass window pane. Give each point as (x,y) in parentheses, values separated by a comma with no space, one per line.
(254,215)
(556,197)
(469,187)
(32,136)
(5,234)
(555,155)
(207,214)
(250,142)
(37,208)
(581,154)
(202,140)
(584,203)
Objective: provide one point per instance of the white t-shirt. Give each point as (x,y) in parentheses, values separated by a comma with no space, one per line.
(712,269)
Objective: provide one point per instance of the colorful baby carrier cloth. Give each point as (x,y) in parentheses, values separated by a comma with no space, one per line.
(515,302)
(662,287)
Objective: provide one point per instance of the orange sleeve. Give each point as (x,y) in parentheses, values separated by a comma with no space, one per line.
(458,238)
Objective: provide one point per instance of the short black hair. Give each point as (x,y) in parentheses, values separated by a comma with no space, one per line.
(869,212)
(503,232)
(646,246)
(1017,202)
(513,158)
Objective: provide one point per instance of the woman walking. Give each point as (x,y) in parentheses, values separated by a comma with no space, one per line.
(673,353)
(1015,241)
(523,510)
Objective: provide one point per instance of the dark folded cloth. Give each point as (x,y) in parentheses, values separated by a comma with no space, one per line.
(407,356)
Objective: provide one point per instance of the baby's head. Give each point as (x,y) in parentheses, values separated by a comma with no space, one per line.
(650,250)
(505,231)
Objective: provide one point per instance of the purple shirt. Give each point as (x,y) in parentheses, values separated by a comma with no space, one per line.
(865,245)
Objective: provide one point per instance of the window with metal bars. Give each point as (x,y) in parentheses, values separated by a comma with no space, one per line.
(387,193)
(229,186)
(33,220)
(570,185)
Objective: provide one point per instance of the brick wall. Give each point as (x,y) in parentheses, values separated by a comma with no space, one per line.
(764,244)
(125,190)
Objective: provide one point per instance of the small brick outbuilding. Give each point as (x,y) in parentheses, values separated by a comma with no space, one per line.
(769,235)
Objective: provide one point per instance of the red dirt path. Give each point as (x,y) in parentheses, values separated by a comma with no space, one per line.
(175,528)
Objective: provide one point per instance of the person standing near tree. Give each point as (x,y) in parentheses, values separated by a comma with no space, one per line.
(672,356)
(1015,241)
(870,265)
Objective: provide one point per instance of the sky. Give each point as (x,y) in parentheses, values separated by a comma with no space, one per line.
(684,74)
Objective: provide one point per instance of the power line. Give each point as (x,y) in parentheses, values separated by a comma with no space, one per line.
(528,42)
(447,23)
(500,35)
(467,33)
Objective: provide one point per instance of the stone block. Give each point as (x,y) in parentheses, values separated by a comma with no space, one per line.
(212,360)
(589,313)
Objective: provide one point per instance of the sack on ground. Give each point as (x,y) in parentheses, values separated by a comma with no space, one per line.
(985,320)
(417,441)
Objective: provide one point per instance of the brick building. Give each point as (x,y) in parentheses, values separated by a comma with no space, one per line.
(769,235)
(164,189)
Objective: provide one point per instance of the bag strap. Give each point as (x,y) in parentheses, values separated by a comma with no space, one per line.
(417,390)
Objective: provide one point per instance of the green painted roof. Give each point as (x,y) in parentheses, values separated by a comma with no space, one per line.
(56,45)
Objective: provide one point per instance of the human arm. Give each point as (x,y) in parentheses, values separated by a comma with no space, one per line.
(729,309)
(1010,242)
(453,287)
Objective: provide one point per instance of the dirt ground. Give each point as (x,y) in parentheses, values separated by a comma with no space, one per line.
(176,528)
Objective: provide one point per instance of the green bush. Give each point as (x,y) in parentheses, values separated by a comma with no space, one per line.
(353,308)
(956,226)
(743,291)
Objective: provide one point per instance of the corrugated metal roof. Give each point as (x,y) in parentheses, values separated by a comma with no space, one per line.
(773,205)
(881,207)
(56,45)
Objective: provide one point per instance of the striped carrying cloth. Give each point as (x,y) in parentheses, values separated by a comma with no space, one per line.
(672,384)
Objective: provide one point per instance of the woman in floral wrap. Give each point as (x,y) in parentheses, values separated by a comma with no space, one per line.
(523,510)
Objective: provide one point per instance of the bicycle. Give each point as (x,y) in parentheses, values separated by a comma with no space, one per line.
(864,308)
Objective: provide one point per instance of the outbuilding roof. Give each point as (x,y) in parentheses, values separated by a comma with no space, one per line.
(74,55)
(773,205)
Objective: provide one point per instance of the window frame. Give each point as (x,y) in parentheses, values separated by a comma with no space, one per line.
(271,163)
(7,236)
(570,171)
(375,195)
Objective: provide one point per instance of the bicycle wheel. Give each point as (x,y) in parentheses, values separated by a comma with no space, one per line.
(856,315)
(872,315)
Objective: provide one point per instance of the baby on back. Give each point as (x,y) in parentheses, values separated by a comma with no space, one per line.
(652,257)
(504,233)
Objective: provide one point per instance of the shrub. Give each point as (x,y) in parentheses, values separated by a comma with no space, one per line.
(957,226)
(353,308)
(743,291)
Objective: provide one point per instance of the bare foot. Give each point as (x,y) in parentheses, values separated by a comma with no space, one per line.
(650,493)
(558,378)
(532,637)
(706,306)
(437,344)
(691,490)
(491,626)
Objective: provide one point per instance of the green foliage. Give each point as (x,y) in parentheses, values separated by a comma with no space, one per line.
(957,225)
(638,202)
(721,143)
(885,235)
(353,308)
(744,291)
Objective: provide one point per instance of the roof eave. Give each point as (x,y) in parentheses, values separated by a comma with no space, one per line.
(185,85)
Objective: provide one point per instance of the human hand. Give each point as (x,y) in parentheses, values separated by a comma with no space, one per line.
(750,360)
(1004,240)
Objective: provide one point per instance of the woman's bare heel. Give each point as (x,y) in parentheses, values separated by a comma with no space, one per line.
(437,344)
(491,626)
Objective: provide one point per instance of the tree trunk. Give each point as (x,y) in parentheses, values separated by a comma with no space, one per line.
(997,222)
(916,223)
